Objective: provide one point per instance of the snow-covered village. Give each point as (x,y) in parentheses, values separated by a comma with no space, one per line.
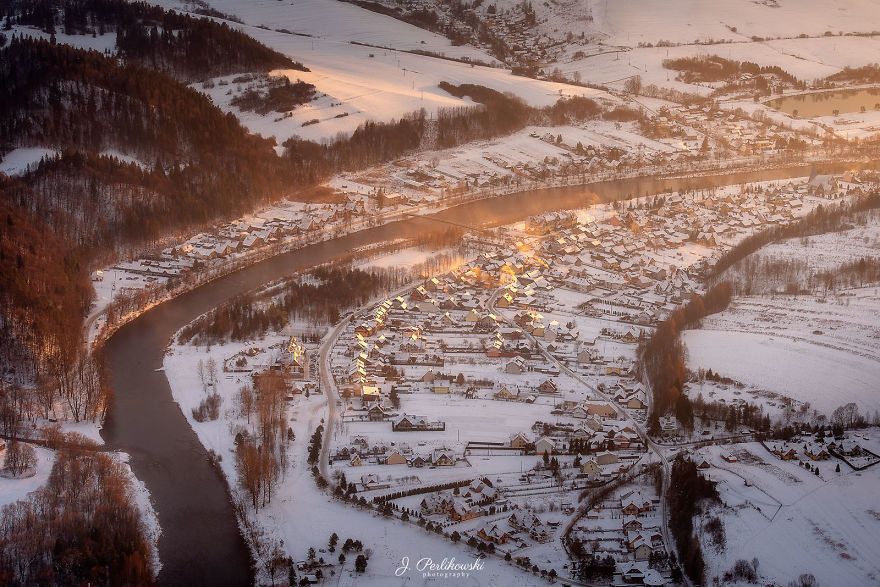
(377,293)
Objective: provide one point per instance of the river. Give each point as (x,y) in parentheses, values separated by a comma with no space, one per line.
(200,542)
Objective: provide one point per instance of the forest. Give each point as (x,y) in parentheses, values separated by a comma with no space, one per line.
(245,317)
(867,74)
(180,45)
(78,207)
(275,94)
(80,528)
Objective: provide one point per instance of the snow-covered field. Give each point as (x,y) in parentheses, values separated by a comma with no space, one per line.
(808,372)
(20,160)
(14,489)
(361,61)
(628,22)
(821,348)
(794,521)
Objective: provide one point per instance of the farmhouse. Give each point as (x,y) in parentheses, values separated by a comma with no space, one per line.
(463,511)
(493,534)
(590,468)
(409,423)
(545,445)
(519,440)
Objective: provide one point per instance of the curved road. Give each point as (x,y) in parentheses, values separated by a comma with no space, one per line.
(200,542)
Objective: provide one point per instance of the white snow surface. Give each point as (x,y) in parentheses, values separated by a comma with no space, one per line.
(17,161)
(825,377)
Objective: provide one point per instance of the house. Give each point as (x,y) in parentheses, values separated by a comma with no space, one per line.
(816,452)
(443,458)
(395,457)
(579,412)
(376,413)
(519,440)
(548,386)
(355,460)
(524,521)
(418,461)
(847,448)
(642,551)
(602,410)
(437,503)
(635,402)
(493,534)
(505,394)
(783,451)
(545,445)
(653,578)
(516,366)
(461,511)
(591,468)
(633,575)
(370,394)
(540,533)
(633,503)
(371,481)
(410,423)
(629,337)
(728,457)
(593,424)
(479,491)
(606,458)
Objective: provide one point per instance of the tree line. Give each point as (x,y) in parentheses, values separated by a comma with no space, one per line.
(819,221)
(251,315)
(662,355)
(687,496)
(496,114)
(181,45)
(261,453)
(712,68)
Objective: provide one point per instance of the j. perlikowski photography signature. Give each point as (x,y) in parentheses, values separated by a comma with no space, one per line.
(447,568)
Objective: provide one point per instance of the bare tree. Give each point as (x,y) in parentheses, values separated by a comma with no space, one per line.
(20,458)
(211,371)
(246,401)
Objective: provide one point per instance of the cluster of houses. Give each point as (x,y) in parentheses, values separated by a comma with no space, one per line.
(462,504)
(813,450)
(360,452)
(519,525)
(638,535)
(817,449)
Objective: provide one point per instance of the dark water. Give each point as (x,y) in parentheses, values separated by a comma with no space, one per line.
(200,542)
(825,103)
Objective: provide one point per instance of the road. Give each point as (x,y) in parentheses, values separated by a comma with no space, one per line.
(621,414)
(200,541)
(329,387)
